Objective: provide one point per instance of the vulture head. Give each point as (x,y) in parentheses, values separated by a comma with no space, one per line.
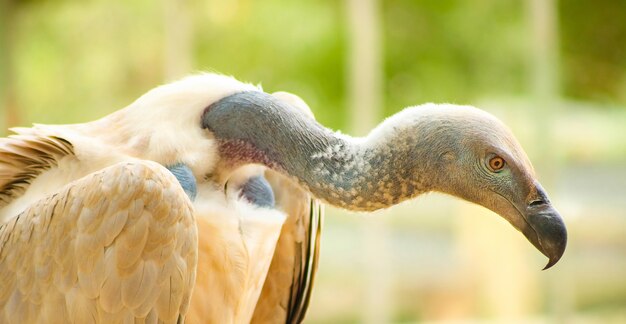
(216,124)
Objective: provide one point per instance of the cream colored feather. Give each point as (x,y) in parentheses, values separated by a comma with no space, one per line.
(81,256)
(91,230)
(236,245)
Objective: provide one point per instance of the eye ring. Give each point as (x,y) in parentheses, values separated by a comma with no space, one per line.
(496,164)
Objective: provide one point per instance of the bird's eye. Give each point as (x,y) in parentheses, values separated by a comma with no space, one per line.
(496,163)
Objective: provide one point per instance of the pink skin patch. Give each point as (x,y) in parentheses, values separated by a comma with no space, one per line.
(238,152)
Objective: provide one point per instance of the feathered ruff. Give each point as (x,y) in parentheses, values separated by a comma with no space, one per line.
(24,156)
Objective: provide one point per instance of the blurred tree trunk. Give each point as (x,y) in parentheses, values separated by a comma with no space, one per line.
(364,66)
(178,39)
(365,102)
(544,62)
(8,96)
(546,87)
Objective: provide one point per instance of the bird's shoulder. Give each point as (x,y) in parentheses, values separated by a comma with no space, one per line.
(24,156)
(123,236)
(287,290)
(36,161)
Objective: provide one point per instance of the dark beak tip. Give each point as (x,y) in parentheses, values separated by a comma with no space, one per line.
(556,247)
(551,234)
(555,256)
(551,263)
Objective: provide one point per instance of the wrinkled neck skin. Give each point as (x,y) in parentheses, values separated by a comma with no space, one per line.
(391,164)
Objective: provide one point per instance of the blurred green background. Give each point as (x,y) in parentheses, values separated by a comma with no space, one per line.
(555,71)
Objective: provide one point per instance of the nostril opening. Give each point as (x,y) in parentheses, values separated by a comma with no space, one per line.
(538,202)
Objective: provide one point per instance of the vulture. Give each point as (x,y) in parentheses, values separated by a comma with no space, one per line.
(201,202)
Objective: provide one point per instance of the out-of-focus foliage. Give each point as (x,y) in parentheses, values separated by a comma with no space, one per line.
(594,49)
(284,45)
(453,51)
(91,57)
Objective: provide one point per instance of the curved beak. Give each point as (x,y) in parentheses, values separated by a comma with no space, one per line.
(544,227)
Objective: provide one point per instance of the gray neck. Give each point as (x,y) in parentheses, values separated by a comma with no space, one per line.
(357,174)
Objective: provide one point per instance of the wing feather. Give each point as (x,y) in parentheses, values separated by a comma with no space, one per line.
(236,244)
(92,251)
(287,289)
(301,290)
(26,155)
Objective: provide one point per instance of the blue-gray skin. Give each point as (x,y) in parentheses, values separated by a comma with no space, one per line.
(186,179)
(445,150)
(258,192)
